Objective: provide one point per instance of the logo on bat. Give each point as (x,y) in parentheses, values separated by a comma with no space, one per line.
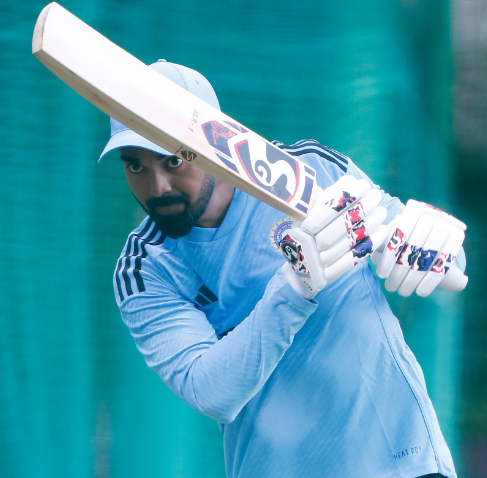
(263,163)
(189,155)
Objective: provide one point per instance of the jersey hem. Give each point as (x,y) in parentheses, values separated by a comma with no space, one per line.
(418,471)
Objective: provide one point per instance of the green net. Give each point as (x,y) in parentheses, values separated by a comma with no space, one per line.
(370,79)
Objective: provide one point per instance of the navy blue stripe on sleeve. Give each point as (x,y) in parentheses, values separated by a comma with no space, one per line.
(307,146)
(128,255)
(117,279)
(125,276)
(135,249)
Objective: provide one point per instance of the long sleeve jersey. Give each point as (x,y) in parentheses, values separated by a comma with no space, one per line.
(326,387)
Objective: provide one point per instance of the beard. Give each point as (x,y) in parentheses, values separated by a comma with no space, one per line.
(180,224)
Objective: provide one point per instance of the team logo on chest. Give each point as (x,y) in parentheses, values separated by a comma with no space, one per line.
(278,232)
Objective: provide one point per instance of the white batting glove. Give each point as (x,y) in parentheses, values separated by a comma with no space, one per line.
(342,229)
(306,272)
(422,244)
(346,221)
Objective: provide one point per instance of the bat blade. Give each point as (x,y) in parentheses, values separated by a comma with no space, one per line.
(166,114)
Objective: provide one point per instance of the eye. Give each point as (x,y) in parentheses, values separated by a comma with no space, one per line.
(174,162)
(134,168)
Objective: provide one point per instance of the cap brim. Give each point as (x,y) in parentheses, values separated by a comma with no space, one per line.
(130,138)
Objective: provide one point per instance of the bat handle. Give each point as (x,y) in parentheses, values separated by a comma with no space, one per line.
(455,280)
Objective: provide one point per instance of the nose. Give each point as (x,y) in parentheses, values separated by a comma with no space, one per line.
(159,183)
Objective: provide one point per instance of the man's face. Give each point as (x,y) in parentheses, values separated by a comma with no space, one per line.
(173,192)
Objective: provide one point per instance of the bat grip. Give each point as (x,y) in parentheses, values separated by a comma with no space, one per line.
(455,280)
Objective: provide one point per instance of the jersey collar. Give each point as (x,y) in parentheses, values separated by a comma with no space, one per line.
(234,213)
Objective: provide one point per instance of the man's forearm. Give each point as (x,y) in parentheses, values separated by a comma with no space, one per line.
(219,377)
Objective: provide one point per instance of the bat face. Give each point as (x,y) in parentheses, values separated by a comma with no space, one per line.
(135,95)
(261,162)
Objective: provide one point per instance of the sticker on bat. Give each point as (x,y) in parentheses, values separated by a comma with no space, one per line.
(237,127)
(218,136)
(272,170)
(189,155)
(264,164)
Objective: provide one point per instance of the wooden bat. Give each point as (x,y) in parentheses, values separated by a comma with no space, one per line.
(168,115)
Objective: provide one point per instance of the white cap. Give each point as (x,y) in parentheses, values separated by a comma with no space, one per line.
(188,79)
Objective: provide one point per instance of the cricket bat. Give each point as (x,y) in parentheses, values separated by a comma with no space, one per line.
(166,114)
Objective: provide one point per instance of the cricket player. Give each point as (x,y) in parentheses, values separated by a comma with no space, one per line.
(303,383)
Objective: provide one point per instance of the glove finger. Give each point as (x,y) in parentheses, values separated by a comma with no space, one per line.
(437,214)
(357,254)
(376,257)
(350,218)
(355,232)
(443,265)
(333,253)
(346,243)
(333,202)
(425,258)
(344,183)
(409,253)
(402,230)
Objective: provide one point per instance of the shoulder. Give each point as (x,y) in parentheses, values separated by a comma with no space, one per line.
(328,157)
(134,267)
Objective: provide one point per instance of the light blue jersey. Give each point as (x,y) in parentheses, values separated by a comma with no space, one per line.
(321,388)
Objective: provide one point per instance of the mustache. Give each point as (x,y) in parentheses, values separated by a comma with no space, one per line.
(164,201)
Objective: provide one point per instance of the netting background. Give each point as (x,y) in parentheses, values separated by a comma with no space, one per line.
(379,81)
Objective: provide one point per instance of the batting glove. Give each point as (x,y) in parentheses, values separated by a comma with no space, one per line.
(342,229)
(422,244)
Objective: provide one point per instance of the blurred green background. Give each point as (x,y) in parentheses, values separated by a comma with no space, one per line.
(397,85)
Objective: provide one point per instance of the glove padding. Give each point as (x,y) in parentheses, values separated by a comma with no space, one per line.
(302,254)
(342,229)
(422,244)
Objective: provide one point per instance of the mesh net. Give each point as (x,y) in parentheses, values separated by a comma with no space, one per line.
(371,80)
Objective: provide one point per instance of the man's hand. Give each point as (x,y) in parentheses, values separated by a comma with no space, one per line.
(306,272)
(422,244)
(342,229)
